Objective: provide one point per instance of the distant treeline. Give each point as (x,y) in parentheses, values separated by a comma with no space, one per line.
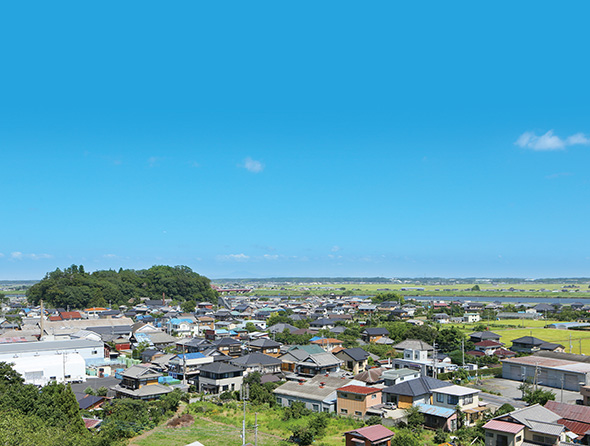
(76,288)
(412,280)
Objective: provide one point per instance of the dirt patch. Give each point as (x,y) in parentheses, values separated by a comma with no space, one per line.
(181,421)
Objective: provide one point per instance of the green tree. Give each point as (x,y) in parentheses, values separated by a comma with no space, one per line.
(405,437)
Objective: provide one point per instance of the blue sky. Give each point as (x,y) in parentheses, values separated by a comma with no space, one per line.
(272,139)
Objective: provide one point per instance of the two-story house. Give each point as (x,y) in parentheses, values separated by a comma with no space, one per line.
(218,377)
(317,364)
(258,362)
(355,400)
(266,346)
(373,334)
(189,363)
(461,398)
(531,425)
(140,382)
(353,359)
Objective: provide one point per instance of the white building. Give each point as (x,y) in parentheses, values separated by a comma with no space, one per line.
(41,370)
(90,351)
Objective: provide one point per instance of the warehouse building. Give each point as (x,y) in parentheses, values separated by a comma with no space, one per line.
(570,374)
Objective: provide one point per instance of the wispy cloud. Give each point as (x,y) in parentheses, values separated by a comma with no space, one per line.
(554,176)
(550,141)
(252,165)
(110,256)
(17,255)
(335,248)
(233,257)
(153,161)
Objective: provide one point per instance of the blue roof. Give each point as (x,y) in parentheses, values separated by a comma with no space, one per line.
(315,338)
(443,412)
(176,320)
(192,355)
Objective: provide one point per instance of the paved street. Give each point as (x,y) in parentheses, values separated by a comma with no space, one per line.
(511,394)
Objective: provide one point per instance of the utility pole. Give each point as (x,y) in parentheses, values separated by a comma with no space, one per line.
(256,429)
(184,364)
(562,381)
(463,351)
(245,394)
(434,361)
(570,345)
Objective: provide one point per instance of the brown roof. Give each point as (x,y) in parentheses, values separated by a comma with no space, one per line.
(570,411)
(359,389)
(326,341)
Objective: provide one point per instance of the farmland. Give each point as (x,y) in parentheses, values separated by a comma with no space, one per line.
(514,329)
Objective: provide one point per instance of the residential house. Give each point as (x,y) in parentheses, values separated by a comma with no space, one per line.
(441,318)
(367,309)
(189,362)
(395,376)
(323,324)
(353,359)
(415,391)
(462,398)
(296,354)
(355,400)
(140,382)
(327,344)
(479,336)
(414,344)
(574,417)
(318,393)
(470,318)
(530,425)
(376,435)
(317,364)
(219,377)
(530,344)
(180,327)
(266,346)
(280,328)
(374,334)
(488,347)
(228,346)
(258,362)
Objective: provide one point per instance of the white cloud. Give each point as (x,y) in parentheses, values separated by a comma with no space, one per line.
(550,141)
(335,248)
(558,175)
(233,258)
(17,255)
(270,257)
(153,161)
(252,165)
(110,256)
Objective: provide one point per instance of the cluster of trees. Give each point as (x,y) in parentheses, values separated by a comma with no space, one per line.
(75,287)
(50,416)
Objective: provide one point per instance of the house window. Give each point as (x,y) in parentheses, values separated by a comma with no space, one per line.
(358,414)
(94,352)
(373,396)
(518,438)
(344,395)
(343,411)
(440,398)
(452,400)
(315,407)
(490,434)
(468,399)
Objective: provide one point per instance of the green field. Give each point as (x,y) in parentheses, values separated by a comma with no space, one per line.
(492,291)
(514,329)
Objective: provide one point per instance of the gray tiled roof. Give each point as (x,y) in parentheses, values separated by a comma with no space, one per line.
(255,359)
(416,387)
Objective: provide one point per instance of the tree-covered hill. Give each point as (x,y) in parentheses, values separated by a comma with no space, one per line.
(76,288)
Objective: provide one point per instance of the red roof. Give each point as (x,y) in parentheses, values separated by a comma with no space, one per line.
(372,433)
(576,427)
(475,353)
(503,426)
(359,389)
(488,343)
(570,411)
(70,315)
(504,352)
(326,341)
